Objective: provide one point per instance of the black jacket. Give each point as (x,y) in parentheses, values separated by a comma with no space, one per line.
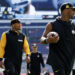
(36,60)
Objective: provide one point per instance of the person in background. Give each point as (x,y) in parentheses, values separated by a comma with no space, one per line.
(12,43)
(34,67)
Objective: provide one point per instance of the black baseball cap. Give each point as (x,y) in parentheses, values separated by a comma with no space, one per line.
(13,21)
(34,45)
(67,6)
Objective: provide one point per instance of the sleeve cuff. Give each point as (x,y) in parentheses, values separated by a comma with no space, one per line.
(0,59)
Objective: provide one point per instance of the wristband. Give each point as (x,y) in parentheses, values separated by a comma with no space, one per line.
(45,41)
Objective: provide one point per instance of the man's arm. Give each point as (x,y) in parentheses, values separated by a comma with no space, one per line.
(26,50)
(44,39)
(26,47)
(42,62)
(2,48)
(28,68)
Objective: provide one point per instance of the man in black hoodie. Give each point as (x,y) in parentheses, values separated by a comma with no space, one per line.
(61,46)
(36,59)
(12,44)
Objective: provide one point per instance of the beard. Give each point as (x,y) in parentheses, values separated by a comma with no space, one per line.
(70,15)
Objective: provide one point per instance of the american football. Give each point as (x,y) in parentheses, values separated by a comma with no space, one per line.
(53,34)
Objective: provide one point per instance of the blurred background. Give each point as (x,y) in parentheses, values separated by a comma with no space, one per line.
(34,15)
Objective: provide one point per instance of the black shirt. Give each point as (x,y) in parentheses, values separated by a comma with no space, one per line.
(62,53)
(36,60)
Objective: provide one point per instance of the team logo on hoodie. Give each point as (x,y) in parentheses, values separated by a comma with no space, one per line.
(19,40)
(73,31)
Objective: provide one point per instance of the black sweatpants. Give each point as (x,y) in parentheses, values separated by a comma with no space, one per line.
(34,72)
(11,68)
(61,71)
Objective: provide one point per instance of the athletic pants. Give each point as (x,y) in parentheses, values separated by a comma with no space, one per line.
(11,68)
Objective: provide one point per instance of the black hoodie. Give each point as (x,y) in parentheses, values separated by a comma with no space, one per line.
(62,53)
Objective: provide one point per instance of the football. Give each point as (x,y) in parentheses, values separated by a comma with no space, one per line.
(53,34)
